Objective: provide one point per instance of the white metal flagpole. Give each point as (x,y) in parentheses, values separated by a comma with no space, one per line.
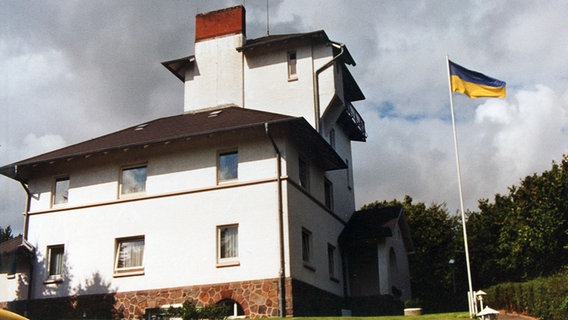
(471,296)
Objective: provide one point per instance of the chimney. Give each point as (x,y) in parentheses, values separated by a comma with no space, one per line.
(221,22)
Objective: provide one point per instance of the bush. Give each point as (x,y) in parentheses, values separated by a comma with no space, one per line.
(189,311)
(546,298)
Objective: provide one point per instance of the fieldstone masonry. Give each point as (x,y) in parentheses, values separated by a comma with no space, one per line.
(258,298)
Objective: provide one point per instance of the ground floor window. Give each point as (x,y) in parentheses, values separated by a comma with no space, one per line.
(235,310)
(129,256)
(307,251)
(227,245)
(55,256)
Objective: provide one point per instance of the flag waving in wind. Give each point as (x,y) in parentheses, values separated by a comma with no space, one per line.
(475,84)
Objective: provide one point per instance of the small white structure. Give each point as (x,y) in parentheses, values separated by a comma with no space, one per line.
(488,314)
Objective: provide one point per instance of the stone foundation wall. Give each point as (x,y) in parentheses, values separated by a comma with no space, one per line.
(258,298)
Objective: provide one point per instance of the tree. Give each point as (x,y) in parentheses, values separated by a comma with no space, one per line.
(524,234)
(6,234)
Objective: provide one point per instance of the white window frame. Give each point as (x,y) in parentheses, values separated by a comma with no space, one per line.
(57,193)
(232,260)
(122,192)
(220,154)
(331,261)
(130,270)
(328,193)
(307,249)
(292,57)
(57,274)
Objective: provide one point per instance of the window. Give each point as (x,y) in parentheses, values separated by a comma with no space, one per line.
(129,256)
(328,194)
(292,72)
(227,245)
(304,173)
(228,165)
(133,180)
(332,138)
(55,262)
(331,261)
(306,246)
(61,191)
(347,170)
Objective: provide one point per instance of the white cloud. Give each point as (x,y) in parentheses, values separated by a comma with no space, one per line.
(73,70)
(41,144)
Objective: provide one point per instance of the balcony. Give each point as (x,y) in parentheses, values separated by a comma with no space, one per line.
(353,123)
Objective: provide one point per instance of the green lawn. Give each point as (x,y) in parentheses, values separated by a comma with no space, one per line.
(439,316)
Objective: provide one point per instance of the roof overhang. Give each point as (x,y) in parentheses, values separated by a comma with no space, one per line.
(179,66)
(316,36)
(184,127)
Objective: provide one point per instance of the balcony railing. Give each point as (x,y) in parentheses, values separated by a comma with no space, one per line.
(355,122)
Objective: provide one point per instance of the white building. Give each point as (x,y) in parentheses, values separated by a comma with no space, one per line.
(241,199)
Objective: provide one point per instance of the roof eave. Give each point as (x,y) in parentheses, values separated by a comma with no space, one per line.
(179,66)
(334,162)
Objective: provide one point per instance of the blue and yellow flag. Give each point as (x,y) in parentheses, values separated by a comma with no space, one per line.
(475,84)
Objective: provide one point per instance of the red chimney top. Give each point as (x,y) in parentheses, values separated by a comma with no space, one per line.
(221,22)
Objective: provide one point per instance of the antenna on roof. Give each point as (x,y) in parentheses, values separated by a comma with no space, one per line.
(267,20)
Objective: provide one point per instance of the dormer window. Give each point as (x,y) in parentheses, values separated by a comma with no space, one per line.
(292,71)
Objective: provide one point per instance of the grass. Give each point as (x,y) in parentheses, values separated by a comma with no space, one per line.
(438,316)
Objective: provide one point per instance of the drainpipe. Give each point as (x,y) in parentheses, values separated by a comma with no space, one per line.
(282,271)
(316,82)
(26,227)
(28,202)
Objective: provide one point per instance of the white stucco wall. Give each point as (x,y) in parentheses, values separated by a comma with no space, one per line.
(268,88)
(13,287)
(394,273)
(178,224)
(303,212)
(259,79)
(180,239)
(217,77)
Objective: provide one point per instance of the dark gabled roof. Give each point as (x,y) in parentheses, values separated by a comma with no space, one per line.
(203,122)
(319,35)
(376,223)
(179,66)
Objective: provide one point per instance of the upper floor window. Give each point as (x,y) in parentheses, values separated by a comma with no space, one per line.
(304,171)
(328,193)
(133,180)
(129,256)
(331,261)
(228,245)
(347,170)
(306,246)
(227,166)
(292,61)
(55,258)
(61,190)
(332,138)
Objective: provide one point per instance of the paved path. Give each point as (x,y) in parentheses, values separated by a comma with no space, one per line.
(513,316)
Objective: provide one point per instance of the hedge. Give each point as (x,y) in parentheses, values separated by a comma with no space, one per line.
(546,298)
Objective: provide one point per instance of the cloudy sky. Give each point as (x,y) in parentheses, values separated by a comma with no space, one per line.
(74,70)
